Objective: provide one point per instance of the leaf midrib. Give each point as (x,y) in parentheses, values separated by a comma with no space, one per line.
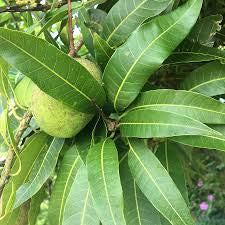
(137,60)
(104,181)
(207,82)
(42,163)
(173,105)
(65,188)
(48,68)
(150,176)
(136,201)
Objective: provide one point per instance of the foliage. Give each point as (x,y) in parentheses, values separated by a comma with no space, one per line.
(156,114)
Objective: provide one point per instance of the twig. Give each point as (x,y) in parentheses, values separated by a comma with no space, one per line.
(6,170)
(70,23)
(22,8)
(78,46)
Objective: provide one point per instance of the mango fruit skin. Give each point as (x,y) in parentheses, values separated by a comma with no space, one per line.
(23,92)
(57,119)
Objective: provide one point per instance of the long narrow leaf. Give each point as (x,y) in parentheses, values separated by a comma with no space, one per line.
(40,173)
(65,178)
(157,185)
(79,208)
(137,208)
(54,72)
(104,180)
(125,16)
(187,103)
(146,123)
(145,51)
(208,79)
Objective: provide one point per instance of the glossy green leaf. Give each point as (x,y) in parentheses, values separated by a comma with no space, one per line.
(79,208)
(19,216)
(186,103)
(137,208)
(205,29)
(29,155)
(190,52)
(35,203)
(208,79)
(43,168)
(147,123)
(84,19)
(91,3)
(65,178)
(168,154)
(216,142)
(3,124)
(54,72)
(156,184)
(145,51)
(58,16)
(104,181)
(103,51)
(4,68)
(125,16)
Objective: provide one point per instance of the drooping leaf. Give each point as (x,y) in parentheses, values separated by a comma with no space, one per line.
(103,51)
(137,208)
(216,142)
(169,155)
(145,51)
(65,178)
(19,216)
(205,29)
(79,208)
(156,184)
(187,103)
(104,181)
(43,168)
(208,79)
(59,15)
(54,72)
(126,16)
(35,203)
(29,155)
(190,52)
(84,19)
(4,67)
(147,123)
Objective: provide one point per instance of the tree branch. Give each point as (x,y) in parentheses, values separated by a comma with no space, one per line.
(8,163)
(22,8)
(70,23)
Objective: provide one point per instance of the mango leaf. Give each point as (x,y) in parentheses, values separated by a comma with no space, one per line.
(104,181)
(58,16)
(103,51)
(79,208)
(168,154)
(145,51)
(187,103)
(43,168)
(4,87)
(156,184)
(70,165)
(36,144)
(190,52)
(3,121)
(137,208)
(84,19)
(126,16)
(54,72)
(208,79)
(205,29)
(146,123)
(91,3)
(35,203)
(216,142)
(19,216)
